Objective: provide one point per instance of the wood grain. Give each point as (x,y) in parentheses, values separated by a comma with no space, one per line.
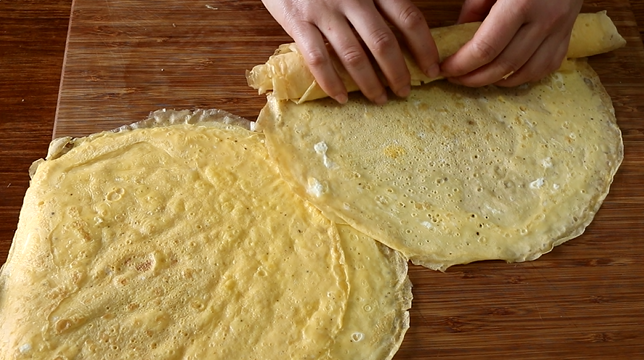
(125,58)
(32,45)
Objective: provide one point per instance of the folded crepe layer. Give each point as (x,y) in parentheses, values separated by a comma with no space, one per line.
(288,77)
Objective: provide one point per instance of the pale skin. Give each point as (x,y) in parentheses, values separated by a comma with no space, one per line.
(519,41)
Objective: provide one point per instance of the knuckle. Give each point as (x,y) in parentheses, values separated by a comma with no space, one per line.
(551,22)
(522,8)
(483,50)
(382,41)
(354,57)
(316,58)
(411,17)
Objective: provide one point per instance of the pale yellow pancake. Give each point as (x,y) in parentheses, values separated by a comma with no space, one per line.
(176,238)
(452,175)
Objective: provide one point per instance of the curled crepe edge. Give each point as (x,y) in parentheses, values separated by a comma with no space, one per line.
(158,118)
(287,76)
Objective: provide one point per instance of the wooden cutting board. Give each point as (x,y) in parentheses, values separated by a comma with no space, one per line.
(584,300)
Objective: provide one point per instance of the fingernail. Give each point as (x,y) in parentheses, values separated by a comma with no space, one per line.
(433,71)
(341,98)
(404,91)
(381,99)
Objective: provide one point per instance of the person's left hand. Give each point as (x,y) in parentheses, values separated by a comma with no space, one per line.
(519,41)
(311,23)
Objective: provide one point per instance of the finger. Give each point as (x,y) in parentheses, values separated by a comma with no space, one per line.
(546,60)
(384,47)
(407,18)
(474,10)
(524,44)
(490,39)
(354,59)
(311,45)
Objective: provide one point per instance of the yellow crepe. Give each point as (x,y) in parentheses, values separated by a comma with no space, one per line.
(287,76)
(376,316)
(450,174)
(175,240)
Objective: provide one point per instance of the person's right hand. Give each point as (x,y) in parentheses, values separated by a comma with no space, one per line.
(519,41)
(310,22)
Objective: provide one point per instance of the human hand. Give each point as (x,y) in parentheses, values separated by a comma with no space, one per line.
(310,22)
(519,41)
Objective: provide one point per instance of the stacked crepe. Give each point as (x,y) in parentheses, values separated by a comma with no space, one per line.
(177,238)
(188,235)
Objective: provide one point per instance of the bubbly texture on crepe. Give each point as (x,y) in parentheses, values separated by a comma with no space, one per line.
(450,174)
(288,77)
(177,240)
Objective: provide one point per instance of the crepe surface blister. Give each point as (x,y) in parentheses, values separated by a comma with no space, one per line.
(452,175)
(176,238)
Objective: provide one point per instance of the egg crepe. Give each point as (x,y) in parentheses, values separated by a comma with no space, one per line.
(287,76)
(177,238)
(451,175)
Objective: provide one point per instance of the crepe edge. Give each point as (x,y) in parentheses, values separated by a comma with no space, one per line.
(270,115)
(403,288)
(396,322)
(203,117)
(59,147)
(158,118)
(587,72)
(404,292)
